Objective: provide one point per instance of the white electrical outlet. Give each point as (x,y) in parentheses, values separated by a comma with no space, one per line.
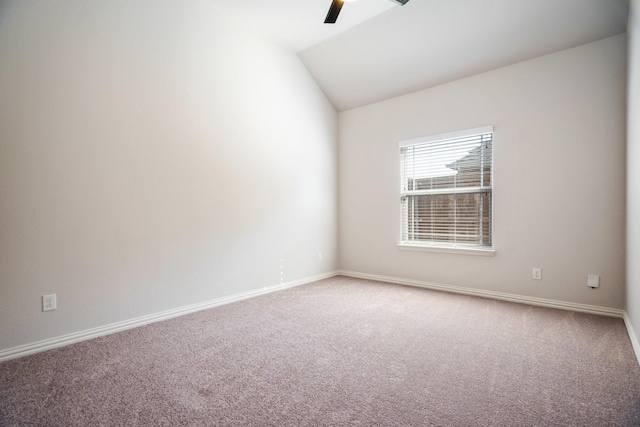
(49,302)
(536,273)
(319,256)
(593,281)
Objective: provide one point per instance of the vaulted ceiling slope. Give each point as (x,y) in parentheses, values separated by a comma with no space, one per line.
(299,24)
(378,50)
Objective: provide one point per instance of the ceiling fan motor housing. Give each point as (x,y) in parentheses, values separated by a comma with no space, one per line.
(400,2)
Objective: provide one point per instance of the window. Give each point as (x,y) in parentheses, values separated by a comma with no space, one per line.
(446,190)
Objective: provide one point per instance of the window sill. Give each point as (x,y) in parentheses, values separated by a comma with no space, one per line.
(460,250)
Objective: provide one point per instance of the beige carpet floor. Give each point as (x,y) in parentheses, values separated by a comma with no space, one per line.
(338,352)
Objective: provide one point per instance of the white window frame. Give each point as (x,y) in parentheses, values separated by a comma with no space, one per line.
(443,247)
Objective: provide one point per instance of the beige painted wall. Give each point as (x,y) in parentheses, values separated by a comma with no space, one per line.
(559,176)
(633,169)
(153,154)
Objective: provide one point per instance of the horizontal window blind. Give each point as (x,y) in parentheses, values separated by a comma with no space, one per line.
(446,192)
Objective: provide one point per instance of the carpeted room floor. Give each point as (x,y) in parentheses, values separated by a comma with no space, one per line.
(341,351)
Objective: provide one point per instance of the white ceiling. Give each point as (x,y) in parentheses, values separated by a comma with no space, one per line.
(378,50)
(299,24)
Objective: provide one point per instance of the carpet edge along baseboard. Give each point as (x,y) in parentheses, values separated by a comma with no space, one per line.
(87,334)
(60,341)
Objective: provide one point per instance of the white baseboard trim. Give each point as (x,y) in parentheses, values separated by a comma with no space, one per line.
(48,344)
(563,305)
(632,336)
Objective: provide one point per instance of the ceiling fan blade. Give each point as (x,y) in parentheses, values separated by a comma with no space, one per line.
(334,11)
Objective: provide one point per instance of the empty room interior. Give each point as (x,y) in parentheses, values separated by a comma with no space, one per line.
(419,212)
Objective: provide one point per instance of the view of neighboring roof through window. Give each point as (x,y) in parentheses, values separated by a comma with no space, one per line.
(447,192)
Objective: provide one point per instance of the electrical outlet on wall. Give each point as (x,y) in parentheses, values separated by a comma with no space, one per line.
(319,256)
(49,302)
(536,273)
